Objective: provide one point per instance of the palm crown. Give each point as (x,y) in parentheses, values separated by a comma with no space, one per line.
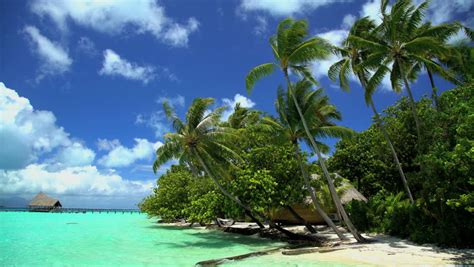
(352,56)
(291,50)
(318,112)
(400,42)
(200,134)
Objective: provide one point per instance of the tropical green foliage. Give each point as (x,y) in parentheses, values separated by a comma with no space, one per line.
(415,163)
(171,196)
(294,51)
(180,195)
(442,177)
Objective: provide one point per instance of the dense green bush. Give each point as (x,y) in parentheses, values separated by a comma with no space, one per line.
(170,197)
(440,172)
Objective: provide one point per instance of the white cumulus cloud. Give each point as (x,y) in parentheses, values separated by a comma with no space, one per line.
(75,154)
(177,101)
(371,9)
(87,46)
(28,136)
(281,8)
(54,59)
(178,35)
(121,156)
(82,181)
(117,17)
(261,27)
(335,37)
(348,21)
(440,11)
(231,103)
(156,121)
(105,144)
(25,133)
(115,65)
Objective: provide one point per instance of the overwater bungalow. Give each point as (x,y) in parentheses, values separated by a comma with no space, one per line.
(44,203)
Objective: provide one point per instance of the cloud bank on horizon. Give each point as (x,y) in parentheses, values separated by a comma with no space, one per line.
(39,155)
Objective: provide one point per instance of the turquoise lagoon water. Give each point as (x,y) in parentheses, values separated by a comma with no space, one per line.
(101,239)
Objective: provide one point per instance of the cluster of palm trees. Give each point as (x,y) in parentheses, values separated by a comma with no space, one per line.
(401,46)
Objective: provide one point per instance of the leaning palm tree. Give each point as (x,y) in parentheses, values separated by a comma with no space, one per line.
(293,51)
(200,141)
(319,113)
(400,45)
(352,59)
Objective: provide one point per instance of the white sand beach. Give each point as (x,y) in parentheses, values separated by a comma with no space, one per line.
(381,250)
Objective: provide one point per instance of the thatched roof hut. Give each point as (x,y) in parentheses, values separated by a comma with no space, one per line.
(307,212)
(351,193)
(42,202)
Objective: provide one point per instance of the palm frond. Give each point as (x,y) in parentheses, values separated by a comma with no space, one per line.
(375,81)
(335,73)
(416,17)
(257,73)
(197,110)
(362,42)
(166,152)
(309,50)
(178,125)
(305,73)
(280,41)
(423,44)
(335,131)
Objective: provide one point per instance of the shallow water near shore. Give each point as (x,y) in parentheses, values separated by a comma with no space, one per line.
(45,239)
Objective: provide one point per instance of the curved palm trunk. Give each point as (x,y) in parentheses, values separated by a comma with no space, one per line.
(315,199)
(300,219)
(392,149)
(434,90)
(286,232)
(387,138)
(331,186)
(227,194)
(412,103)
(247,210)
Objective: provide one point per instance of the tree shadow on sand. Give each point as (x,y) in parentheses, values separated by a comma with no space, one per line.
(217,240)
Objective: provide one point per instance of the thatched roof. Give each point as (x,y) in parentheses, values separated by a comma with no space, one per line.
(349,191)
(43,200)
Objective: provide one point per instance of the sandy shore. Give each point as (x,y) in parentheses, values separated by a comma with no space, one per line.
(382,250)
(390,251)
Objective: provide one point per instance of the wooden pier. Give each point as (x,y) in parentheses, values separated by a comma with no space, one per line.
(77,210)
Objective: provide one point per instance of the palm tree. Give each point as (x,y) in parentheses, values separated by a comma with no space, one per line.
(352,58)
(293,51)
(200,141)
(242,117)
(319,113)
(401,44)
(460,56)
(460,61)
(441,32)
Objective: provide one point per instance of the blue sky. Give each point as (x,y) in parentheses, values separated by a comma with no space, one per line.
(83,82)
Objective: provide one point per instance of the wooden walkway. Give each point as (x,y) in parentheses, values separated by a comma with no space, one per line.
(78,210)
